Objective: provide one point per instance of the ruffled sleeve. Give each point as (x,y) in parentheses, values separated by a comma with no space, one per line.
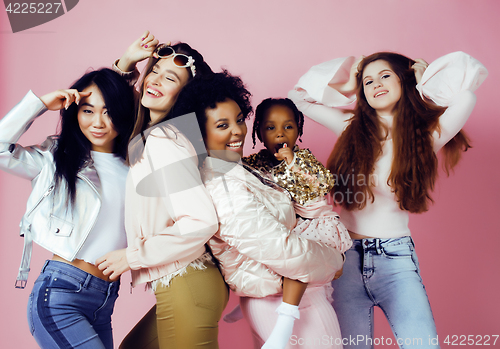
(316,82)
(316,98)
(449,75)
(450,81)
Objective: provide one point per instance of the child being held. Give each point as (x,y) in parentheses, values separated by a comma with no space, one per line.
(278,124)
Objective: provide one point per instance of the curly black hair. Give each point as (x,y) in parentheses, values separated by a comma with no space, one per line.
(205,92)
(265,105)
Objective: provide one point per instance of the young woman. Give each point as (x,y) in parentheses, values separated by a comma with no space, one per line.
(254,244)
(76,207)
(385,166)
(169,214)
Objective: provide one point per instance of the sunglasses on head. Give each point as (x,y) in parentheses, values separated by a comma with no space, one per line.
(180,60)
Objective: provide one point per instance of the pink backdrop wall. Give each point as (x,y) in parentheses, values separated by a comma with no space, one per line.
(271,44)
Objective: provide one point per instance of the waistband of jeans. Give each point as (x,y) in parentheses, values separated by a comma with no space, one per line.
(86,279)
(374,242)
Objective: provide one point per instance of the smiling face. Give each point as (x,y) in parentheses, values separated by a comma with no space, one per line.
(162,86)
(225,131)
(278,127)
(381,86)
(95,122)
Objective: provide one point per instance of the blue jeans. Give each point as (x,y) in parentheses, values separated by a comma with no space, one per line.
(383,273)
(69,308)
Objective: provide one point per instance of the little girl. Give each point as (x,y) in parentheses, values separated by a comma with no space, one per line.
(278,123)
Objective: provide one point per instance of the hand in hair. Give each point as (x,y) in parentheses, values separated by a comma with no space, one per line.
(63,98)
(349,87)
(140,49)
(419,68)
(113,264)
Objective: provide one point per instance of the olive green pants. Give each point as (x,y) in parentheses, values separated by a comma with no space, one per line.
(186,314)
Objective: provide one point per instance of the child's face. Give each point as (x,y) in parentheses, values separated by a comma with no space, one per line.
(225,131)
(278,127)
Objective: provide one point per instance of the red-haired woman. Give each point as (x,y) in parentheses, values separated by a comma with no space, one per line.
(385,166)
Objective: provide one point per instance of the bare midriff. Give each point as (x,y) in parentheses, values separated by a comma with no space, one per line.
(86,267)
(359,236)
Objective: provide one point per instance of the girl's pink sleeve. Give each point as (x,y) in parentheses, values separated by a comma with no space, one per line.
(449,75)
(316,98)
(450,81)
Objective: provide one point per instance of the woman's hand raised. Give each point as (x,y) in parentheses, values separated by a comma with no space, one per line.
(419,68)
(63,98)
(349,88)
(140,49)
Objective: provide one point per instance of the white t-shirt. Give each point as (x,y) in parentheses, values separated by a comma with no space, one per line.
(108,233)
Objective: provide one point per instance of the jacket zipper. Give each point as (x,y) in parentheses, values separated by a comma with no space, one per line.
(95,219)
(47,193)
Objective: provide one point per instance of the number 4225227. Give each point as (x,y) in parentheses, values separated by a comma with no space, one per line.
(471,340)
(33,7)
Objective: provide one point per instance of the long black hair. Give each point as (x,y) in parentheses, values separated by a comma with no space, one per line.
(73,148)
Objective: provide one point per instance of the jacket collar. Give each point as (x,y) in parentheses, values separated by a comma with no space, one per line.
(89,172)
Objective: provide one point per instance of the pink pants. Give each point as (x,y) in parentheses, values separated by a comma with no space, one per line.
(318,326)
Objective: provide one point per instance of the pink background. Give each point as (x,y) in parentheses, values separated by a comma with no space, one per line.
(271,44)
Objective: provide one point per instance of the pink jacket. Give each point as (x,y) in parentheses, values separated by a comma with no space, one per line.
(169,215)
(254,245)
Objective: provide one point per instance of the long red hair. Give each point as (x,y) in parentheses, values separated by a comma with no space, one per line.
(414,167)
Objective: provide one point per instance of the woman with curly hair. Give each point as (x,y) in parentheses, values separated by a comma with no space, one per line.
(385,166)
(254,245)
